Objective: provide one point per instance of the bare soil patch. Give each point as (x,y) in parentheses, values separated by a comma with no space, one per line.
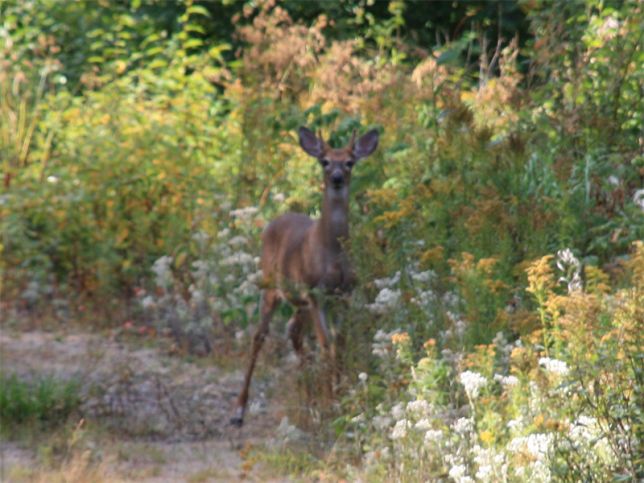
(166,416)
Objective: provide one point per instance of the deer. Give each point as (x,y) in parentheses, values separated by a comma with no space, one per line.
(303,258)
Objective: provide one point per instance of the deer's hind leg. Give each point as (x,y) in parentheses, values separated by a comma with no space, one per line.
(270,299)
(296,332)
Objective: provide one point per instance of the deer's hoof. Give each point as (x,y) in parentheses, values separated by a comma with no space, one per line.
(236,421)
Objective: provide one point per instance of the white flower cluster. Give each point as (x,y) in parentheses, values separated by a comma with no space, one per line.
(433,436)
(422,277)
(554,366)
(463,426)
(238,258)
(506,381)
(473,382)
(536,445)
(387,282)
(237,241)
(163,272)
(492,465)
(584,430)
(400,429)
(381,346)
(418,408)
(587,436)
(386,300)
(459,474)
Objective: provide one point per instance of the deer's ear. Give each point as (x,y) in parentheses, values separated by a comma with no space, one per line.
(366,145)
(310,143)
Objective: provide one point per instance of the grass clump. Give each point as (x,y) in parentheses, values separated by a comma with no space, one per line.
(45,400)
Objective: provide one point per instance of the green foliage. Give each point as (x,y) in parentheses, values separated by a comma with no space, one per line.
(43,401)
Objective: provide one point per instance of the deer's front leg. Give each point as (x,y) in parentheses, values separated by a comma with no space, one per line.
(320,325)
(326,346)
(269,303)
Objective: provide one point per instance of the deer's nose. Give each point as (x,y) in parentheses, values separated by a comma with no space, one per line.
(337,178)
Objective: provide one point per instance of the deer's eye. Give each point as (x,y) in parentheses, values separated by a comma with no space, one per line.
(350,164)
(324,163)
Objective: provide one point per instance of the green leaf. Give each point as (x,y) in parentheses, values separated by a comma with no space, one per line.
(198,10)
(193,43)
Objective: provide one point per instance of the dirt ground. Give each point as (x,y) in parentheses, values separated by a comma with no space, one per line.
(163,418)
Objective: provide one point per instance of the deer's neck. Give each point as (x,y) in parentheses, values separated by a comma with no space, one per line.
(333,227)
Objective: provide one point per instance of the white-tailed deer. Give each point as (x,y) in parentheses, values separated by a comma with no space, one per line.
(302,257)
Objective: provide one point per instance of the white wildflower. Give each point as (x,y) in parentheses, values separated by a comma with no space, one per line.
(148,302)
(473,382)
(554,366)
(459,327)
(423,277)
(363,377)
(459,474)
(491,465)
(52,179)
(400,429)
(163,272)
(200,269)
(247,288)
(451,300)
(424,298)
(279,197)
(196,295)
(387,282)
(514,424)
(433,436)
(423,424)
(237,241)
(536,445)
(419,407)
(398,411)
(385,300)
(381,346)
(463,426)
(238,258)
(381,422)
(506,381)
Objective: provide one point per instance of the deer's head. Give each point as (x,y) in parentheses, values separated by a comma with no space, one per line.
(337,163)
